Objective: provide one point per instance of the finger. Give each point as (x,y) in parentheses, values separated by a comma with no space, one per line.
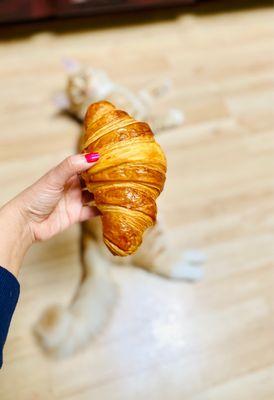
(88,213)
(72,165)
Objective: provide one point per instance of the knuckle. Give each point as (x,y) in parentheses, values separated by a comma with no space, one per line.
(69,163)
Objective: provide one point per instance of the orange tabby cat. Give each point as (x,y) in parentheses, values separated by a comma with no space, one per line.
(62,330)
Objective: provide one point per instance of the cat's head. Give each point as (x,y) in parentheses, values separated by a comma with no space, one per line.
(84,86)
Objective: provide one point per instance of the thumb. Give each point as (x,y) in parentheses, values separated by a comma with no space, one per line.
(69,167)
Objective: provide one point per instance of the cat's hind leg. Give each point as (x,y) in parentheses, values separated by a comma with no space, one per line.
(62,330)
(159,256)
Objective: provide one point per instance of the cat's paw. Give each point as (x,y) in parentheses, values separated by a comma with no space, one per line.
(175,117)
(189,266)
(172,119)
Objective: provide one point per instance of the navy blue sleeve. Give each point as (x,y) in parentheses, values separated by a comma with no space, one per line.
(9,294)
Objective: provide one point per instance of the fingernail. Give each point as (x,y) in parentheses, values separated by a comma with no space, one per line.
(92,157)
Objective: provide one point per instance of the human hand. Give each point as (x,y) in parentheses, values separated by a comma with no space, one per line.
(44,209)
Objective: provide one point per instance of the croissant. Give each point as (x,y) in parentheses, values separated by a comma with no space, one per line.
(128,177)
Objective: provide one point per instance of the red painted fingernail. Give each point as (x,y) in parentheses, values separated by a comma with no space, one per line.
(92,157)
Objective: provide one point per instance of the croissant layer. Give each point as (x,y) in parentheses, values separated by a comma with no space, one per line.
(128,177)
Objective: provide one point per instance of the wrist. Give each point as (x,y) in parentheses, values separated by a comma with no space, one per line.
(15,236)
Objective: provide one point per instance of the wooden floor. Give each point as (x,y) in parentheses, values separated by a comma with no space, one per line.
(167,340)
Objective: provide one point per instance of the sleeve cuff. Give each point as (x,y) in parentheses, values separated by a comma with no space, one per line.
(9,294)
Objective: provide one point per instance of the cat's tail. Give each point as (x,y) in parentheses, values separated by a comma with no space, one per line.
(62,330)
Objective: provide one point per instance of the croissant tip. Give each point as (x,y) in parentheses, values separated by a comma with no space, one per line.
(93,107)
(117,251)
(99,108)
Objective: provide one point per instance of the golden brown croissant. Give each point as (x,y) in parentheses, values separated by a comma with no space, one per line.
(128,177)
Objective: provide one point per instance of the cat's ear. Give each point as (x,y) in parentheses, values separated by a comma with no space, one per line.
(70,65)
